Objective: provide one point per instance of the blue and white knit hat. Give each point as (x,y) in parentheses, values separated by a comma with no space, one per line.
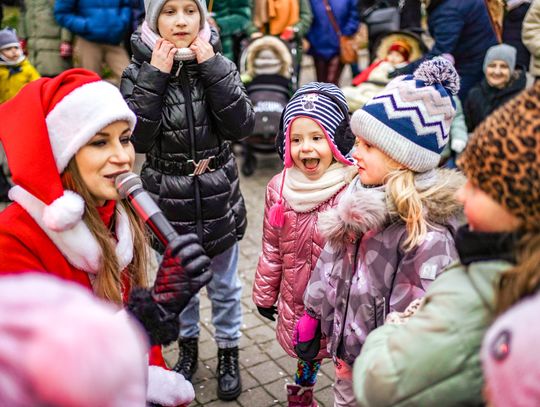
(410,119)
(309,102)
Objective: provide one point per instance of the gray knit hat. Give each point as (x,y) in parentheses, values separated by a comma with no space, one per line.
(153,8)
(503,52)
(8,38)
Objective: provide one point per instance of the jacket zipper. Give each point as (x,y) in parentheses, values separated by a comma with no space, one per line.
(184,83)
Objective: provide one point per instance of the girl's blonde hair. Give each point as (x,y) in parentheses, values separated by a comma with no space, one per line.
(109,282)
(409,205)
(524,278)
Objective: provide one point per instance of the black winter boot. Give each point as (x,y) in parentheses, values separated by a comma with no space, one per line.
(187,360)
(229,383)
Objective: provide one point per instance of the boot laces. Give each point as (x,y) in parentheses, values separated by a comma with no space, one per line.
(227,359)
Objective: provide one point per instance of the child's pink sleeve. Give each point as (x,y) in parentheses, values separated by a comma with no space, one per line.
(268,274)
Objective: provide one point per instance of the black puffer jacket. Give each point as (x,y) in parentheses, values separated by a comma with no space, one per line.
(484,99)
(192,113)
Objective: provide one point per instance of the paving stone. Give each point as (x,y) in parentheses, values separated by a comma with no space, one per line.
(261,334)
(266,372)
(252,356)
(327,367)
(274,350)
(288,364)
(256,397)
(251,320)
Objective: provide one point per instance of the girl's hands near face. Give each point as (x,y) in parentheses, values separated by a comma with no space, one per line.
(163,55)
(202,49)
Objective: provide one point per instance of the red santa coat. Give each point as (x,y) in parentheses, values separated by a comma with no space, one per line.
(73,255)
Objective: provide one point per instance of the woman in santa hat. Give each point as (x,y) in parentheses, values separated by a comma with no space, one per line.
(66,139)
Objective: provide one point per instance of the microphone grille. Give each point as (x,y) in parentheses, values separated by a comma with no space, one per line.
(127,183)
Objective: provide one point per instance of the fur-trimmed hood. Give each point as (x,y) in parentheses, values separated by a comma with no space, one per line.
(361,209)
(274,44)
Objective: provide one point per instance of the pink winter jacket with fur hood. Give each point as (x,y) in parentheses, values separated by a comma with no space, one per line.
(288,257)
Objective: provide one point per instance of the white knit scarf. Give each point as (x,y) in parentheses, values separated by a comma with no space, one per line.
(305,195)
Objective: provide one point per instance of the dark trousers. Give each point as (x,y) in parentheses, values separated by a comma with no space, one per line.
(328,70)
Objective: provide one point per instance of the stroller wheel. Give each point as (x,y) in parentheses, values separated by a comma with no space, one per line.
(249,165)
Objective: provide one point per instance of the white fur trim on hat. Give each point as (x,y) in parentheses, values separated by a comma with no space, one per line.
(401,149)
(168,388)
(64,212)
(80,115)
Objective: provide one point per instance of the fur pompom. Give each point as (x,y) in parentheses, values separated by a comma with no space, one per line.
(438,70)
(276,216)
(64,212)
(356,213)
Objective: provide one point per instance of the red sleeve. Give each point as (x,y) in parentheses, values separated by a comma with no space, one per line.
(16,257)
(155,357)
(364,75)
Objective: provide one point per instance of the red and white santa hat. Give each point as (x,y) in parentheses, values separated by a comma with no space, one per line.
(44,126)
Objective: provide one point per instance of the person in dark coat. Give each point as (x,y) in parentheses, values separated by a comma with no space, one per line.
(190,104)
(460,28)
(512,26)
(323,39)
(501,83)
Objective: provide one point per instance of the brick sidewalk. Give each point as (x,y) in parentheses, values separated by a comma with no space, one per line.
(265,367)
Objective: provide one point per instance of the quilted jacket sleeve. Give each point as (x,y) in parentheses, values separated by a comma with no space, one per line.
(420,266)
(269,269)
(227,98)
(319,297)
(143,89)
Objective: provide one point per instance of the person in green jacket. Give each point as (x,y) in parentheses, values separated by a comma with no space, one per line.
(231,18)
(433,359)
(49,46)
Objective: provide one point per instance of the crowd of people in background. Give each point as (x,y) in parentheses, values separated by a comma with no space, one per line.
(401,239)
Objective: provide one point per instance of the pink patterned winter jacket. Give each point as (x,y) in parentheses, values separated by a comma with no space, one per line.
(288,257)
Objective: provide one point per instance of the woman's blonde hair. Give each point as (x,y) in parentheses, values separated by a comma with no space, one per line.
(109,282)
(409,203)
(524,278)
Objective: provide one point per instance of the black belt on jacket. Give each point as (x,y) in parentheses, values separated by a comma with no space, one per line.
(190,167)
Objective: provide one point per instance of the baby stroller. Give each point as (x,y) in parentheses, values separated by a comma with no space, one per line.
(375,77)
(269,69)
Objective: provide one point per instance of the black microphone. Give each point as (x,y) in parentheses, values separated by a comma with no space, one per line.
(129,185)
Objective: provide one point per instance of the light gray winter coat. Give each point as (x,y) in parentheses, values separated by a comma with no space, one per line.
(363,272)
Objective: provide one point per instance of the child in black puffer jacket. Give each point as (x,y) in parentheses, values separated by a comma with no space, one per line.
(190,104)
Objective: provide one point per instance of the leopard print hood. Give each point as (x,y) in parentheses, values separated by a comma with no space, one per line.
(361,209)
(502,157)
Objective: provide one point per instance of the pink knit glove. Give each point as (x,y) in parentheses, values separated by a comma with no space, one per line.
(307,337)
(305,329)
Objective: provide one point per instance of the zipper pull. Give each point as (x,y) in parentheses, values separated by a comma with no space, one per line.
(178,70)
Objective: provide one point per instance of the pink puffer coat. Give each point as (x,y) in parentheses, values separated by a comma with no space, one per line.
(288,257)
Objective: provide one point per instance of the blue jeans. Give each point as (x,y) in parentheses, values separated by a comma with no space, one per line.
(224,291)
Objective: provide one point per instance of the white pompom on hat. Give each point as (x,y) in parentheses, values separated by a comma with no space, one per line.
(45,125)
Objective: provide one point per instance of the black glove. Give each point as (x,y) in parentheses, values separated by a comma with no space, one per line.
(182,273)
(268,312)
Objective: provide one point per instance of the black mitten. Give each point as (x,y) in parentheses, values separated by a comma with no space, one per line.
(268,312)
